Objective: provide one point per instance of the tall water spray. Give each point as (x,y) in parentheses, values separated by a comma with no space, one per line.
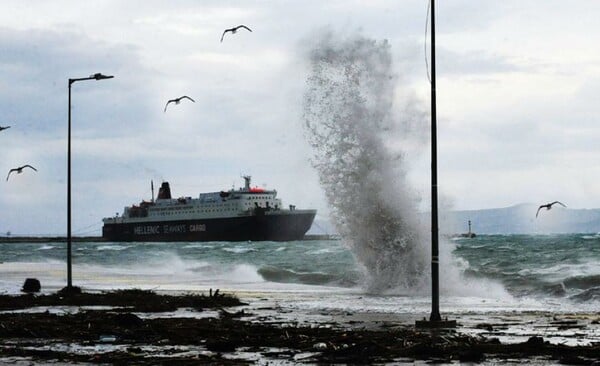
(349,122)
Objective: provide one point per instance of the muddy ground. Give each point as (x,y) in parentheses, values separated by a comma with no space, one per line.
(138,327)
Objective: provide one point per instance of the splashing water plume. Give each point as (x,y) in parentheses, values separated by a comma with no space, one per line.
(349,122)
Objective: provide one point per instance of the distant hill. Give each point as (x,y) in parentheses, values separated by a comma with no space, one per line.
(520,219)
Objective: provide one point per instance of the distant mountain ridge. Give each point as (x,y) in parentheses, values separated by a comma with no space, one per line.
(517,219)
(520,219)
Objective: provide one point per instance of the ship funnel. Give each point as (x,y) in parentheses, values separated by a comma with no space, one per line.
(164,192)
(247,179)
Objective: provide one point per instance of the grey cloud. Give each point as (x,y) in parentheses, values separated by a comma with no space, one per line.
(474,63)
(35,66)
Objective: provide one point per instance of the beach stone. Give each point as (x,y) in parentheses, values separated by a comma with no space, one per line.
(535,341)
(320,346)
(107,338)
(221,345)
(471,356)
(128,320)
(31,285)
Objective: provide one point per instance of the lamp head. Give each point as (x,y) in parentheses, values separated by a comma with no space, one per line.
(99,76)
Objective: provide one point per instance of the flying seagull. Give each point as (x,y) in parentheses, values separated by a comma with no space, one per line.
(234,30)
(4,128)
(178,100)
(547,206)
(19,170)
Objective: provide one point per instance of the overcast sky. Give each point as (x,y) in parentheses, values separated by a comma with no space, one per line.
(518,84)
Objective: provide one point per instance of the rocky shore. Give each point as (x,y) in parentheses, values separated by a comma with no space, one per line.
(146,328)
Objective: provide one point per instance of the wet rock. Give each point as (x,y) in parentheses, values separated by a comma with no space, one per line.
(574,360)
(31,285)
(69,291)
(535,341)
(320,346)
(486,326)
(221,345)
(128,320)
(107,338)
(471,356)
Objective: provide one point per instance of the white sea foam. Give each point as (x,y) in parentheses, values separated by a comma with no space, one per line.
(199,246)
(238,249)
(324,251)
(46,247)
(113,247)
(560,271)
(591,237)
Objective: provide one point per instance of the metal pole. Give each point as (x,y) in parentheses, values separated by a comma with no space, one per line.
(97,76)
(69,277)
(435,286)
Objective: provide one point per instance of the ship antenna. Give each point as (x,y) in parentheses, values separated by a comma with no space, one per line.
(152,188)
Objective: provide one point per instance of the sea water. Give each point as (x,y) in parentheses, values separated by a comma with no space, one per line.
(486,273)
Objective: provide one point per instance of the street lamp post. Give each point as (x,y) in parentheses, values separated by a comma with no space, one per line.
(97,76)
(435,319)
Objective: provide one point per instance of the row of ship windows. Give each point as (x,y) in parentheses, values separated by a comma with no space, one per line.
(182,208)
(187,212)
(228,207)
(192,211)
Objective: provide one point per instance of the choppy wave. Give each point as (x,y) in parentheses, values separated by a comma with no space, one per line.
(541,266)
(276,274)
(564,269)
(591,294)
(583,282)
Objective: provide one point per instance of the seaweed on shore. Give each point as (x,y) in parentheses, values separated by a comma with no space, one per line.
(211,340)
(227,335)
(132,299)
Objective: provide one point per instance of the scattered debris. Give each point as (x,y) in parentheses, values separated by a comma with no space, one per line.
(229,332)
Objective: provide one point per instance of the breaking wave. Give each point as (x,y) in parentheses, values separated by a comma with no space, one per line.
(350,124)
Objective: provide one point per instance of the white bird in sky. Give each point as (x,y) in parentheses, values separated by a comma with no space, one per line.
(548,206)
(234,30)
(178,100)
(19,170)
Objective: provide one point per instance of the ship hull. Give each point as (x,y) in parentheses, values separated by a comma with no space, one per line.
(263,227)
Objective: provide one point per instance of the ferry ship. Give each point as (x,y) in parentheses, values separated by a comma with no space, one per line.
(248,213)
